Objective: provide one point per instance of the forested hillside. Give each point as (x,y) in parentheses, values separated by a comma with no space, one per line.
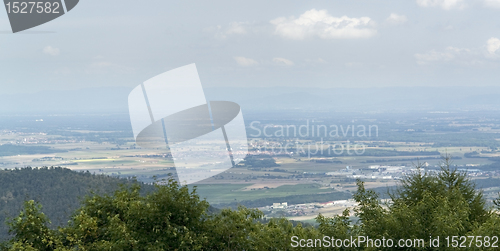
(59,190)
(427,211)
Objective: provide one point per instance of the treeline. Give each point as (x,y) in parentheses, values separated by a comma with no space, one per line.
(113,136)
(446,139)
(13,150)
(258,161)
(365,152)
(405,159)
(424,207)
(60,190)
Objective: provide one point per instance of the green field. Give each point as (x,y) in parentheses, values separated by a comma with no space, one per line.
(225,193)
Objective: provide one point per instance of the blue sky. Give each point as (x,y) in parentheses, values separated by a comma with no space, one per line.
(323,44)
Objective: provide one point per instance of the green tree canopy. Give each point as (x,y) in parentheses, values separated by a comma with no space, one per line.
(438,204)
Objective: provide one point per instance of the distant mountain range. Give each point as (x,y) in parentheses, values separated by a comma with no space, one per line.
(387,99)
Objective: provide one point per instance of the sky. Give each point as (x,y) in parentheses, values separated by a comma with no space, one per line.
(282,43)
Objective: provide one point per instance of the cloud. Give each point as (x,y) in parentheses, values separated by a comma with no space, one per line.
(234,28)
(474,56)
(283,61)
(318,23)
(451,54)
(493,45)
(433,55)
(52,51)
(237,28)
(459,55)
(243,61)
(444,4)
(396,19)
(492,3)
(464,56)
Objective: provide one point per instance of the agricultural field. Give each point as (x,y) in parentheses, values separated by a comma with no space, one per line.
(308,170)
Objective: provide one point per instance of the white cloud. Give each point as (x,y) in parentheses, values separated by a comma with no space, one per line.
(318,23)
(461,55)
(52,51)
(434,56)
(234,28)
(237,28)
(283,61)
(243,61)
(492,3)
(396,19)
(493,45)
(464,56)
(444,4)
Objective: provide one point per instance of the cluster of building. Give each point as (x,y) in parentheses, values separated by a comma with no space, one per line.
(283,209)
(373,172)
(385,172)
(279,205)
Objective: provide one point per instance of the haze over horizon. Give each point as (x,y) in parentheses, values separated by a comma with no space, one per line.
(105,100)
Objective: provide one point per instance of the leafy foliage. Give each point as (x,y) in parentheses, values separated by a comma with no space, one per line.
(171,217)
(60,190)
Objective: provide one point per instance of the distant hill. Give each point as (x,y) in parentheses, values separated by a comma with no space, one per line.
(12,150)
(107,100)
(59,190)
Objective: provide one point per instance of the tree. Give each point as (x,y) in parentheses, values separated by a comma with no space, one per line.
(230,230)
(171,218)
(30,229)
(277,234)
(425,204)
(437,204)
